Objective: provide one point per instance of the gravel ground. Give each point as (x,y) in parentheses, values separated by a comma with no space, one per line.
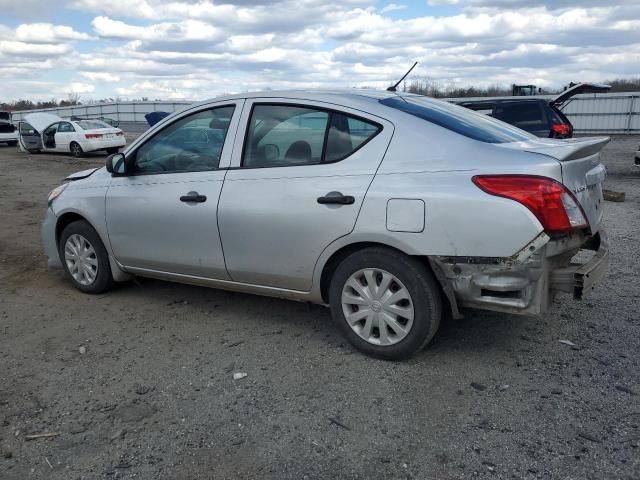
(138,382)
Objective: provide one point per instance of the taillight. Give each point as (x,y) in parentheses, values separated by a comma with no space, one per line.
(561,129)
(550,201)
(92,135)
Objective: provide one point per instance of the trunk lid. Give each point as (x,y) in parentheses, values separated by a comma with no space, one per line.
(578,89)
(41,120)
(582,170)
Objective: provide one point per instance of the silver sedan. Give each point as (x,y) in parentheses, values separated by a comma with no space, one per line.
(389,208)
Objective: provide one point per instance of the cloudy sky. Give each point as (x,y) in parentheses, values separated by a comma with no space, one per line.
(194,49)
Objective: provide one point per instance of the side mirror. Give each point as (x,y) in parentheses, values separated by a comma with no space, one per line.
(116,165)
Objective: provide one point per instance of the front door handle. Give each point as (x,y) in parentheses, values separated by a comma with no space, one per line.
(336,198)
(194,197)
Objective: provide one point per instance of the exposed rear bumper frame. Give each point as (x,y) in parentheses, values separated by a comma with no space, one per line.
(580,279)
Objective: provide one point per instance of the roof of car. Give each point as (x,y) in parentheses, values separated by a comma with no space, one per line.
(364,99)
(351,95)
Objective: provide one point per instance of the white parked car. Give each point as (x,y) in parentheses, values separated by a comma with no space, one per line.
(45,132)
(8,132)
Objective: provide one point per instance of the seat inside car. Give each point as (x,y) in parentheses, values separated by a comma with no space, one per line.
(298,152)
(339,139)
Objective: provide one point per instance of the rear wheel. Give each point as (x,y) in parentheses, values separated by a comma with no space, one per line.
(387,304)
(76,149)
(85,260)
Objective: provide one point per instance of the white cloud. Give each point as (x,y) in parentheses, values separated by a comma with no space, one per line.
(47,33)
(189,30)
(392,7)
(23,49)
(79,87)
(100,76)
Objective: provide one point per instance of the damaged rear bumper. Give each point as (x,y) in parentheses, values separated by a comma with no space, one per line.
(580,279)
(527,282)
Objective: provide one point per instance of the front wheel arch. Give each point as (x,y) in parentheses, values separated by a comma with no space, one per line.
(65,219)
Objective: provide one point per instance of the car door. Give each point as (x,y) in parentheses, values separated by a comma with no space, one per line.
(300,173)
(30,138)
(63,136)
(162,216)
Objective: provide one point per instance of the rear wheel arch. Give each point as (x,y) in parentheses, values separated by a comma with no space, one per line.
(339,255)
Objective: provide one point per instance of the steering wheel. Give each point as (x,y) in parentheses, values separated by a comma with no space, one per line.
(156,163)
(186,159)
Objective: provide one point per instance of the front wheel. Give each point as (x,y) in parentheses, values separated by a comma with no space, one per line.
(387,304)
(76,149)
(85,260)
(12,144)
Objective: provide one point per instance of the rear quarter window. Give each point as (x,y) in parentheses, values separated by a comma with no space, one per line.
(458,119)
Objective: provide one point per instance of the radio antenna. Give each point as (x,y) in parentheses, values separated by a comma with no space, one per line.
(394,87)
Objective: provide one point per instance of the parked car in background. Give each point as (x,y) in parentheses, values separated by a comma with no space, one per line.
(538,116)
(8,133)
(49,133)
(333,198)
(154,117)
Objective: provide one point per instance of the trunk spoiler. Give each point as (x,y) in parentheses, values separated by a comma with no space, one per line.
(563,150)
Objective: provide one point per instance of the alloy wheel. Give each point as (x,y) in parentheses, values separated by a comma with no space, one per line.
(76,150)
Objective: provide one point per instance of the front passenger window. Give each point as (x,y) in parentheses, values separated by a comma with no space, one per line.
(192,144)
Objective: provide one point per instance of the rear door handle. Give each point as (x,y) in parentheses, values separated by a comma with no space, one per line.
(194,197)
(336,198)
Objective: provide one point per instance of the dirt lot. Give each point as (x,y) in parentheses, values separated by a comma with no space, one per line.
(152,396)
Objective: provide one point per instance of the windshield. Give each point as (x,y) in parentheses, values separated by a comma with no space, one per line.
(92,124)
(458,119)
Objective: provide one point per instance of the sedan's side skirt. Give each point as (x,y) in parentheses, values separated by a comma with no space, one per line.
(227,285)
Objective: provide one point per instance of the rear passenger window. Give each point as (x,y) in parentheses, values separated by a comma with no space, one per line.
(524,115)
(284,135)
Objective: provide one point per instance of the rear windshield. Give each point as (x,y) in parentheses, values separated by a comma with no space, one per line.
(458,119)
(91,124)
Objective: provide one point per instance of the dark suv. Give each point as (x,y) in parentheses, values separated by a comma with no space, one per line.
(541,117)
(534,115)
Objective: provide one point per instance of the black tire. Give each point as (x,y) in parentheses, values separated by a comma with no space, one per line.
(416,278)
(12,144)
(104,279)
(111,151)
(76,149)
